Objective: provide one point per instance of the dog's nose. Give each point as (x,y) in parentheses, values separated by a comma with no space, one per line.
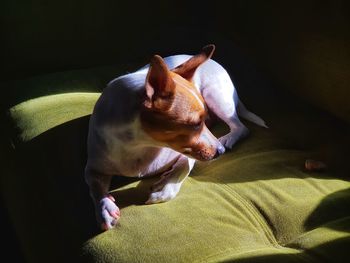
(219,151)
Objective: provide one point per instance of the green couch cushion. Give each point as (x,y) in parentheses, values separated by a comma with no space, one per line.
(49,112)
(254,204)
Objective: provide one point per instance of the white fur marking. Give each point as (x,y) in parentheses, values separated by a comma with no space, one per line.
(192,92)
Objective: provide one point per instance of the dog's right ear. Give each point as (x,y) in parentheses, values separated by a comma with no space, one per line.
(188,68)
(158,81)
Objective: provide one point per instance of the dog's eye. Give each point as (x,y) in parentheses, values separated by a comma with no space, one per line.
(186,150)
(197,126)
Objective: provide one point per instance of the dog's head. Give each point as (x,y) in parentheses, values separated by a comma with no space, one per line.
(174,111)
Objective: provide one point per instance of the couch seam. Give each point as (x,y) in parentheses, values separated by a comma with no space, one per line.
(252,211)
(304,258)
(262,222)
(250,206)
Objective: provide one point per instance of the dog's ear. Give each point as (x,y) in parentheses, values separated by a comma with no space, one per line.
(158,81)
(188,68)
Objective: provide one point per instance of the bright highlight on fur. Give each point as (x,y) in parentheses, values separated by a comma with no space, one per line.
(152,122)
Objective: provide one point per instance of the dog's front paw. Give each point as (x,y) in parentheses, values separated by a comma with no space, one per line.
(107,213)
(164,194)
(232,137)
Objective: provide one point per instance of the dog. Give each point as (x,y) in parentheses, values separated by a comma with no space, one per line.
(153,122)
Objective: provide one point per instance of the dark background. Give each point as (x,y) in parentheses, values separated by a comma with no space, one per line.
(301,46)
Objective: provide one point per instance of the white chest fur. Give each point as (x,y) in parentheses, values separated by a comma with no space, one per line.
(130,152)
(146,161)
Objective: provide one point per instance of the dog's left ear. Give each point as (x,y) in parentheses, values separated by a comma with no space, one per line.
(188,68)
(159,84)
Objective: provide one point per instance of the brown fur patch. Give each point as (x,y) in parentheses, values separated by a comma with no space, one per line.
(187,69)
(174,110)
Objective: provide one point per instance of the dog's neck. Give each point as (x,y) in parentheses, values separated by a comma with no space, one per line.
(139,154)
(136,138)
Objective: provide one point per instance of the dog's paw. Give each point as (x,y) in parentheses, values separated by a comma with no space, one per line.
(232,137)
(107,213)
(163,194)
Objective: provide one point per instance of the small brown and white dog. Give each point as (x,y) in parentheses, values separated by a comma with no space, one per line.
(152,122)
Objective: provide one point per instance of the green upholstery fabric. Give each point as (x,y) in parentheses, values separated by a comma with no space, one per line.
(254,204)
(50,112)
(242,206)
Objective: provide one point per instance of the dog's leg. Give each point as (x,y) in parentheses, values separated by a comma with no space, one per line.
(107,213)
(222,103)
(237,131)
(170,183)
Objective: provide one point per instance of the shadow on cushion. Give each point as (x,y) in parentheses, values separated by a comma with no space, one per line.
(256,202)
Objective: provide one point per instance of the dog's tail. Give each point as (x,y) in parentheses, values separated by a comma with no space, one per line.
(249,116)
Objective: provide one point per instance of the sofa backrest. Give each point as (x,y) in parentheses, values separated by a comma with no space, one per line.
(304,48)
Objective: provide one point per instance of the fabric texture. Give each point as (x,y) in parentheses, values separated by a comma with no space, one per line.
(256,203)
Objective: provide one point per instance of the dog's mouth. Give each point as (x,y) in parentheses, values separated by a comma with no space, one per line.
(201,155)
